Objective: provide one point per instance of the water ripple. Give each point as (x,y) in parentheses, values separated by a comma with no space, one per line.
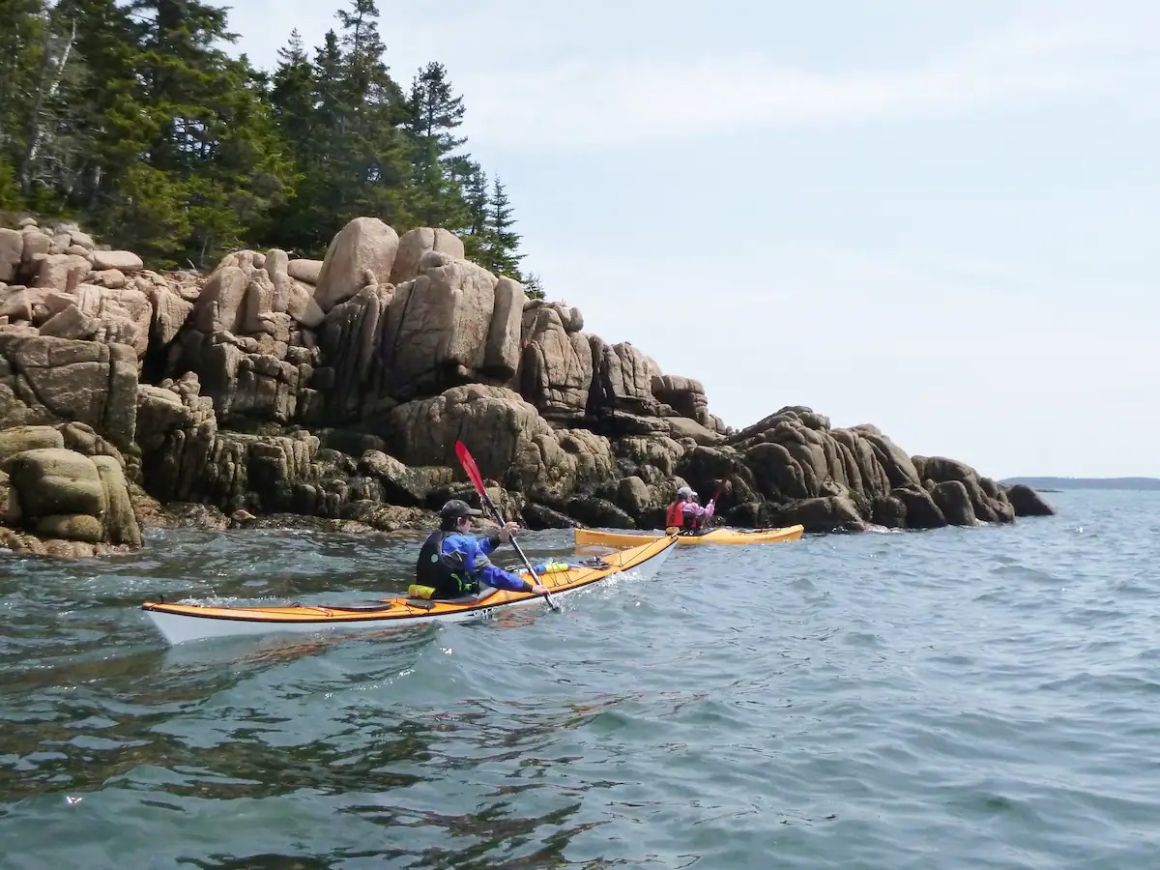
(968,697)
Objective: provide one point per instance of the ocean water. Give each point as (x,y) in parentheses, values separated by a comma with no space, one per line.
(985,697)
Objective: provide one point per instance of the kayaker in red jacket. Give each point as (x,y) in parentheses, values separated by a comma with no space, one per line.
(685,514)
(454,562)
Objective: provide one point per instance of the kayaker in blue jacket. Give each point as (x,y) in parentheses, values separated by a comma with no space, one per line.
(454,562)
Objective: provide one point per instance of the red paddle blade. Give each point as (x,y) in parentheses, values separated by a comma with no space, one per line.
(469,466)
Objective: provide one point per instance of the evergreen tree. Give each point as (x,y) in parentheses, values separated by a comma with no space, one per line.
(433,112)
(104,113)
(130,116)
(497,244)
(43,132)
(206,126)
(293,93)
(477,201)
(376,149)
(9,191)
(56,48)
(366,75)
(25,22)
(476,240)
(292,90)
(311,111)
(350,150)
(503,242)
(330,89)
(533,286)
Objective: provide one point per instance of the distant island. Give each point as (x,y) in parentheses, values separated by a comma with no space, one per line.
(1057,483)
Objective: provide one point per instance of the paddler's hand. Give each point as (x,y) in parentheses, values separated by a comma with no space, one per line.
(539,589)
(509,529)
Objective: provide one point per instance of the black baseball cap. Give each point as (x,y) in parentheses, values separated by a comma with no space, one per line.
(458,508)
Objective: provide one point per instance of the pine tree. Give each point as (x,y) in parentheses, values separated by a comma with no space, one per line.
(432,114)
(476,229)
(9,191)
(58,39)
(497,244)
(207,128)
(502,241)
(330,100)
(41,132)
(104,114)
(130,116)
(292,90)
(312,111)
(21,40)
(355,162)
(433,111)
(533,286)
(378,158)
(366,75)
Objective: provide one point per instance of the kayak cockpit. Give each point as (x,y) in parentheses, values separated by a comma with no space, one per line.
(483,594)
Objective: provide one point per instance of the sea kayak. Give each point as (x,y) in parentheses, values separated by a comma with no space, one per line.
(714,536)
(179,623)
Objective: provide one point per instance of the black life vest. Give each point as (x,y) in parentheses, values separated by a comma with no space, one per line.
(446,572)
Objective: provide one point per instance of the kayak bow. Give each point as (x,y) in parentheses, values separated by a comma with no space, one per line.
(179,623)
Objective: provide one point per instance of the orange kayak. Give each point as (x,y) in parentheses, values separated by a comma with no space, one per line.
(179,623)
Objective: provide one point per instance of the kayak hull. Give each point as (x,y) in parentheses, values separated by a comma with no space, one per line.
(596,537)
(181,623)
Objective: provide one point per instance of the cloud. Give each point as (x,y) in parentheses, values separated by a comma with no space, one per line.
(600,102)
(996,362)
(543,78)
(859,334)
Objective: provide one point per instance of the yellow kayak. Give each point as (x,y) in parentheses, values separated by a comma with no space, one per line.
(713,536)
(184,622)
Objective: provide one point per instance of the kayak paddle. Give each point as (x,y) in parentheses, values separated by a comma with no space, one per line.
(468,463)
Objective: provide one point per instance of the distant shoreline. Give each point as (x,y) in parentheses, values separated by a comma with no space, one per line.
(1057,484)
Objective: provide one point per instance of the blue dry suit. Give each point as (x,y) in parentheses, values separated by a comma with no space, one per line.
(478,566)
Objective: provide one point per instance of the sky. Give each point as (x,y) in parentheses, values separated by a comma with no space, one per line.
(939,218)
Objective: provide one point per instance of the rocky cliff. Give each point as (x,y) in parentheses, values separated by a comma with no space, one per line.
(337,388)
